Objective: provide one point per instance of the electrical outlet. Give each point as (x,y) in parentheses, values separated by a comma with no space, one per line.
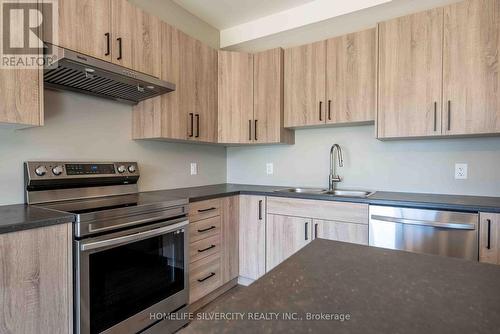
(194,168)
(460,171)
(270,168)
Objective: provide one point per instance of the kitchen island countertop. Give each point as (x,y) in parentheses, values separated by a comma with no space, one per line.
(382,291)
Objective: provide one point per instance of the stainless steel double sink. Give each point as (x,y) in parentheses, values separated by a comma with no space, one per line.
(319,191)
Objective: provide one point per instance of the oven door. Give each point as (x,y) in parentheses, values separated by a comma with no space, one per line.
(123,278)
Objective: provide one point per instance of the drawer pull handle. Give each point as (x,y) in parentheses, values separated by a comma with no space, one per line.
(206,229)
(205,249)
(489,234)
(204,279)
(206,210)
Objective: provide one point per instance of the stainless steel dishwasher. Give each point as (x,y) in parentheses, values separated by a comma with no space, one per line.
(445,233)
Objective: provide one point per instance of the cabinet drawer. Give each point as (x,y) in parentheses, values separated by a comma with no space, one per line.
(204,209)
(204,228)
(328,210)
(204,277)
(203,248)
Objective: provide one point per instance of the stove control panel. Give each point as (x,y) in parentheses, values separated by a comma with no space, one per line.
(68,170)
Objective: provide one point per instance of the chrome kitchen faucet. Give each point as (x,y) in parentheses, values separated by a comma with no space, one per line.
(334,177)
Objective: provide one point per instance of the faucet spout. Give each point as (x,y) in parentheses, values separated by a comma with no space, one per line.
(334,177)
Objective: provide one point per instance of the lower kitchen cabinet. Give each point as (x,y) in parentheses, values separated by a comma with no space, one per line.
(204,276)
(489,238)
(341,231)
(285,235)
(252,240)
(230,238)
(213,245)
(36,281)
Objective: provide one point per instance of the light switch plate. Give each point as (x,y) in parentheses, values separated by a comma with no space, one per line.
(461,171)
(194,168)
(270,168)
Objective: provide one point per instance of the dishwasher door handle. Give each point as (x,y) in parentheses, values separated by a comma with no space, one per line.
(451,225)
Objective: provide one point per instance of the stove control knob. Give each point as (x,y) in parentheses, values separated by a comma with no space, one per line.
(131,169)
(57,170)
(121,169)
(41,171)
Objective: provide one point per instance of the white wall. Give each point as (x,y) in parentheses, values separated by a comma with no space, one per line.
(81,127)
(408,165)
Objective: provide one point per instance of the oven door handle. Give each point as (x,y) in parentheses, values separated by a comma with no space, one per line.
(133,237)
(449,225)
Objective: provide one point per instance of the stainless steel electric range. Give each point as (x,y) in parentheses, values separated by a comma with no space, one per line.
(130,252)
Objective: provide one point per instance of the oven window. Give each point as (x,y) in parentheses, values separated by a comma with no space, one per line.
(130,278)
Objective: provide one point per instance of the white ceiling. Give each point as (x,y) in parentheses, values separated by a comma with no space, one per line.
(223,14)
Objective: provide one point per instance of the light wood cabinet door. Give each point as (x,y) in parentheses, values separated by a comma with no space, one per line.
(21,93)
(305,75)
(410,75)
(285,235)
(252,236)
(268,98)
(235,97)
(21,96)
(489,238)
(230,238)
(351,69)
(340,231)
(171,116)
(471,91)
(36,278)
(205,90)
(136,38)
(85,26)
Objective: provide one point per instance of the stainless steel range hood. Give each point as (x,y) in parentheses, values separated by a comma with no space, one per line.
(88,75)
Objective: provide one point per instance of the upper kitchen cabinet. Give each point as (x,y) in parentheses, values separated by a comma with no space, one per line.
(85,26)
(235,97)
(305,68)
(351,71)
(471,85)
(268,109)
(205,90)
(21,95)
(189,112)
(135,38)
(410,76)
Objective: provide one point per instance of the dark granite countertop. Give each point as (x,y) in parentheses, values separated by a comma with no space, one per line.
(429,201)
(23,217)
(383,291)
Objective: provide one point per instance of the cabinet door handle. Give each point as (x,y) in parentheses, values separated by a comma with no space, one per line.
(249,130)
(205,249)
(119,39)
(197,125)
(329,110)
(206,229)
(488,246)
(191,121)
(260,210)
(315,231)
(320,110)
(206,210)
(449,115)
(255,130)
(205,278)
(306,232)
(108,41)
(435,116)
